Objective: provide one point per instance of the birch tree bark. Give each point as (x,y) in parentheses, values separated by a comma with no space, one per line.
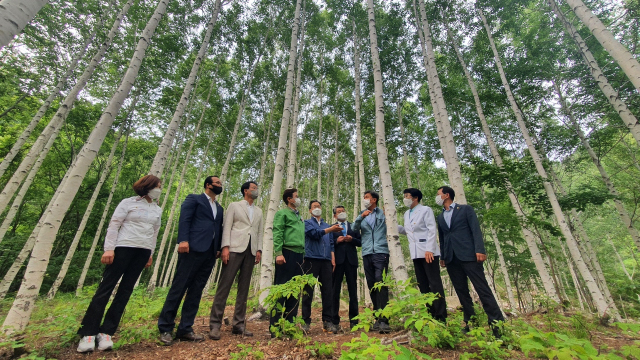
(529,237)
(321,111)
(60,115)
(334,198)
(21,310)
(266,149)
(405,157)
(618,52)
(266,269)
(293,137)
(612,95)
(596,294)
(165,268)
(359,154)
(15,15)
(393,239)
(161,156)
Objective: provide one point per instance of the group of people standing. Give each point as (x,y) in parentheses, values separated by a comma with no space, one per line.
(313,246)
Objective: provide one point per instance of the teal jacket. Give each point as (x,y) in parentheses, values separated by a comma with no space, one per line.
(374,241)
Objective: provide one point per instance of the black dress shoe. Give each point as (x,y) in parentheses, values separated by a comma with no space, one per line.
(384,328)
(244,332)
(496,332)
(191,336)
(214,334)
(352,325)
(375,327)
(166,338)
(465,330)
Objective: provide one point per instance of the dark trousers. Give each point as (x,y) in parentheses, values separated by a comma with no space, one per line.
(238,262)
(351,273)
(192,272)
(429,280)
(323,270)
(459,271)
(127,264)
(284,273)
(374,265)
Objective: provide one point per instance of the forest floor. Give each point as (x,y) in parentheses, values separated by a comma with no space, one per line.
(53,327)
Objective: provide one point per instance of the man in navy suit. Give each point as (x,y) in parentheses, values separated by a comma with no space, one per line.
(463,253)
(199,239)
(346,255)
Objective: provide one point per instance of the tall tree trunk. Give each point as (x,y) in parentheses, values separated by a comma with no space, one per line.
(174,167)
(622,212)
(15,15)
(447,142)
(172,267)
(293,137)
(321,110)
(612,95)
(356,195)
(60,115)
(405,157)
(598,298)
(21,310)
(393,239)
(574,278)
(200,168)
(359,154)
(334,199)
(266,273)
(266,149)
(165,146)
(165,268)
(517,207)
(618,52)
(85,218)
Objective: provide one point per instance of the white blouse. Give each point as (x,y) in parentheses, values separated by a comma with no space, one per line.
(135,223)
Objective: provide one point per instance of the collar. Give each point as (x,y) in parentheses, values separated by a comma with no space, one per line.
(451,207)
(318,220)
(294,211)
(247,203)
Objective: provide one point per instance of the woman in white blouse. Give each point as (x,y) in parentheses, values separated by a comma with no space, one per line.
(128,249)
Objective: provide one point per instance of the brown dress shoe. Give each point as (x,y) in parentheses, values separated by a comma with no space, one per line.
(166,338)
(242,331)
(214,334)
(191,336)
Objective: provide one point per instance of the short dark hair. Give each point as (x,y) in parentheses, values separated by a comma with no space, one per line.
(246,185)
(145,184)
(314,201)
(448,190)
(374,195)
(209,180)
(414,193)
(338,207)
(288,194)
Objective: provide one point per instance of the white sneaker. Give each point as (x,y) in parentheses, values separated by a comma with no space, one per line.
(104,342)
(87,344)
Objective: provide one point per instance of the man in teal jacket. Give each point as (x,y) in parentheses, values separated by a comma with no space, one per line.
(375,253)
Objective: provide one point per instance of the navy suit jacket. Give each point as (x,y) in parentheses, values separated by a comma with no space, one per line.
(464,237)
(347,250)
(197,225)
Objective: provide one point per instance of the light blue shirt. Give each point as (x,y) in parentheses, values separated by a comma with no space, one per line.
(371,219)
(448,214)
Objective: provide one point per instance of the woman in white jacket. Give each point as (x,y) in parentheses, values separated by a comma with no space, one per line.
(128,249)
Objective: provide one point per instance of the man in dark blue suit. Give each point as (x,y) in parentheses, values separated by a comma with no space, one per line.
(462,252)
(199,239)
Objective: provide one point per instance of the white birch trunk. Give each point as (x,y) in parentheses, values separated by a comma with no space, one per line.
(321,111)
(529,237)
(266,272)
(393,239)
(174,167)
(103,218)
(405,157)
(596,294)
(22,307)
(293,136)
(15,15)
(172,267)
(612,95)
(165,268)
(359,154)
(618,52)
(265,151)
(161,156)
(334,198)
(356,197)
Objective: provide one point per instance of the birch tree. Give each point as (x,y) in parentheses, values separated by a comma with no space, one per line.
(359,154)
(15,15)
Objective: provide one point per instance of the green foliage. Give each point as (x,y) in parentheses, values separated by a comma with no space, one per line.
(293,288)
(554,345)
(367,348)
(247,352)
(322,350)
(488,347)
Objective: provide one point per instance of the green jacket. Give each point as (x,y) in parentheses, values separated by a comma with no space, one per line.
(288,232)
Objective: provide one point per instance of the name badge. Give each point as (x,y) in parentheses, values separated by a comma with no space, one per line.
(422,240)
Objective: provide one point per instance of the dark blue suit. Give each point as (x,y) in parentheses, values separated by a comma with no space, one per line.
(459,244)
(203,232)
(346,254)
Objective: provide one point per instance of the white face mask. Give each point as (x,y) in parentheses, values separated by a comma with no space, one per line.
(366,203)
(154,194)
(254,194)
(342,216)
(297,202)
(407,202)
(316,212)
(439,200)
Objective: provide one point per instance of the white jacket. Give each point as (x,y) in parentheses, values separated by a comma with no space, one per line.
(420,228)
(238,229)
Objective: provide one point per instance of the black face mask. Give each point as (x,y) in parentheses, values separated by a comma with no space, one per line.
(216,189)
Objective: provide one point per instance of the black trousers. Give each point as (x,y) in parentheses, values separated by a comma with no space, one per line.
(351,273)
(459,271)
(192,272)
(374,265)
(127,264)
(284,273)
(323,270)
(429,280)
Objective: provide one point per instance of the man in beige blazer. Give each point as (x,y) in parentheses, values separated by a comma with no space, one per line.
(241,250)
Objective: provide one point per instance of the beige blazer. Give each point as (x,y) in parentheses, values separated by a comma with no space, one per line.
(238,229)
